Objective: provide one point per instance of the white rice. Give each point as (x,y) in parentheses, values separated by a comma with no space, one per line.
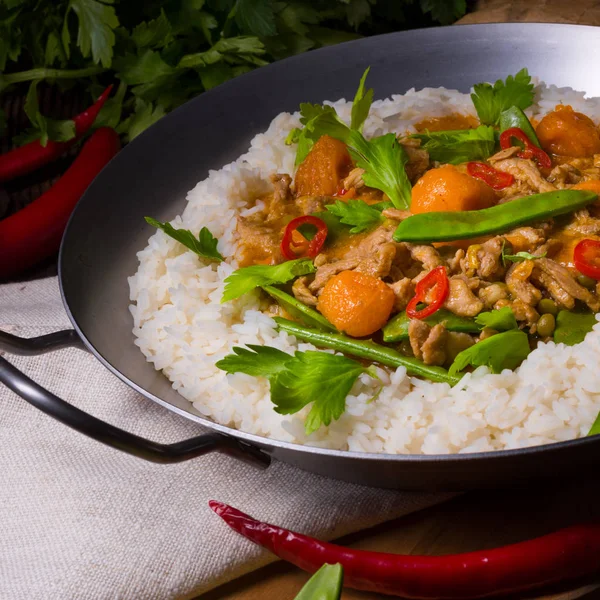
(183,329)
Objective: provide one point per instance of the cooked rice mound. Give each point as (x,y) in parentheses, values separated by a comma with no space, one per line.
(183,329)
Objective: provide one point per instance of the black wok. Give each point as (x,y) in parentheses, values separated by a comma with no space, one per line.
(152,175)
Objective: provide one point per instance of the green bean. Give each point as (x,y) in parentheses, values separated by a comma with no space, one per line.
(547,307)
(299,310)
(396,329)
(546,325)
(367,349)
(515,117)
(571,328)
(448,226)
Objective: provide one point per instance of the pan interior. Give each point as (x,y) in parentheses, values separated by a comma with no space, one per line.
(152,175)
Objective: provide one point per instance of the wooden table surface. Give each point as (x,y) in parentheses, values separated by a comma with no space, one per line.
(476,520)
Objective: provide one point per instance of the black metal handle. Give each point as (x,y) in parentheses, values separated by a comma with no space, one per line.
(103,432)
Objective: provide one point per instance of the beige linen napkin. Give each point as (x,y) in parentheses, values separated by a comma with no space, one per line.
(81,520)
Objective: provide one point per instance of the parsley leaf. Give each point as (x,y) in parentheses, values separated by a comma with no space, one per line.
(490,101)
(153,34)
(571,328)
(259,361)
(145,115)
(382,158)
(459,146)
(255,17)
(144,68)
(444,11)
(357,213)
(298,380)
(521,256)
(505,350)
(244,280)
(44,128)
(97,22)
(205,245)
(361,104)
(500,320)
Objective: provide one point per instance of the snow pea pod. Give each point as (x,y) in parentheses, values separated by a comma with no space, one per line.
(396,329)
(366,349)
(515,117)
(448,226)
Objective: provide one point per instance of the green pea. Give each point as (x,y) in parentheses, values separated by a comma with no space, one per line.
(547,307)
(447,226)
(546,325)
(586,282)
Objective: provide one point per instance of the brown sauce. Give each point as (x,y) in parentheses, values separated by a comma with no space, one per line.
(447,123)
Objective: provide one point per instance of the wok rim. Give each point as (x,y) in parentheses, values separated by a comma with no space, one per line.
(270,444)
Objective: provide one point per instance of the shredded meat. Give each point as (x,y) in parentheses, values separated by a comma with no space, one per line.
(527,238)
(562,285)
(527,177)
(456,343)
(490,294)
(461,300)
(484,259)
(517,280)
(302,293)
(504,154)
(404,290)
(563,175)
(583,223)
(312,204)
(523,312)
(428,343)
(374,255)
(396,214)
(281,185)
(427,255)
(354,179)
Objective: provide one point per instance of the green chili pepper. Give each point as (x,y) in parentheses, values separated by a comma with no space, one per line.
(367,349)
(515,117)
(396,329)
(448,226)
(571,328)
(299,310)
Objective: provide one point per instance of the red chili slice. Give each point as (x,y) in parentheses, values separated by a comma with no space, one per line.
(530,150)
(312,247)
(497,180)
(586,257)
(435,279)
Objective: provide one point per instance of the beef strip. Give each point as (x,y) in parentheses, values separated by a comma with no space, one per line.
(485,259)
(354,179)
(428,343)
(527,177)
(583,223)
(562,285)
(517,280)
(302,293)
(563,175)
(404,290)
(461,301)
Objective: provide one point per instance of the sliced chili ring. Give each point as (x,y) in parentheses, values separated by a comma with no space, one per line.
(435,279)
(530,150)
(497,180)
(586,257)
(312,247)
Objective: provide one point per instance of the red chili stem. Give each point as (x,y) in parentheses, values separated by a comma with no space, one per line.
(313,247)
(566,554)
(32,156)
(35,232)
(497,180)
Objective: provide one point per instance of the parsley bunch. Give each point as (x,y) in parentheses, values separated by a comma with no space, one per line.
(164,52)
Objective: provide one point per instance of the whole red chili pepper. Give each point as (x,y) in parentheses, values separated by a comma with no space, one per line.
(34,233)
(497,180)
(32,156)
(436,280)
(586,258)
(566,554)
(313,247)
(530,150)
